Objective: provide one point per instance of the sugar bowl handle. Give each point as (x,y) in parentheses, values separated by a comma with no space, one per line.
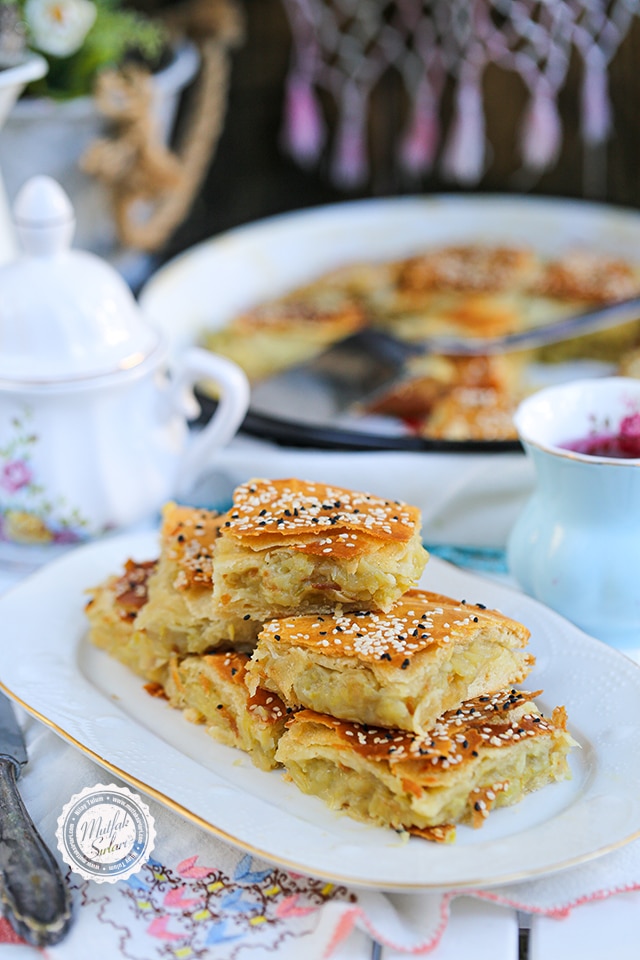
(232,387)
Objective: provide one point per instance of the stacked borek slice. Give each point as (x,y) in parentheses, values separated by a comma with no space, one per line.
(292,628)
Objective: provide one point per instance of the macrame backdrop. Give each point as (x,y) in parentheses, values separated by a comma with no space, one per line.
(342,48)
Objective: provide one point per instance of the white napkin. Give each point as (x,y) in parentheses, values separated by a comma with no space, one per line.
(465,499)
(198,896)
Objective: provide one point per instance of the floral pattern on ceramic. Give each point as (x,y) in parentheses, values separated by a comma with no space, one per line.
(28,514)
(108,442)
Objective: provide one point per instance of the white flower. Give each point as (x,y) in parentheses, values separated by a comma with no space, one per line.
(59,27)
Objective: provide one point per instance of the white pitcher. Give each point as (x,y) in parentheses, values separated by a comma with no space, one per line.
(93,430)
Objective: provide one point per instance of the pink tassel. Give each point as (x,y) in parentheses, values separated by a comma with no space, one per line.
(350,168)
(304,129)
(419,144)
(596,107)
(542,132)
(463,158)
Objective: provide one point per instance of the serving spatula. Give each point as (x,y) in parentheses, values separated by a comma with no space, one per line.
(370,360)
(32,891)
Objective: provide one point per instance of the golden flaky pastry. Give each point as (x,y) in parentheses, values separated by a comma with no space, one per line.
(293,546)
(112,612)
(210,689)
(401,669)
(179,616)
(281,333)
(488,752)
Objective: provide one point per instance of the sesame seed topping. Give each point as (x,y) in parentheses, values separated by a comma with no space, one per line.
(419,621)
(444,746)
(294,508)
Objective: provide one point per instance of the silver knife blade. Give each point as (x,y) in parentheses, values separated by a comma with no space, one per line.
(361,366)
(32,890)
(11,740)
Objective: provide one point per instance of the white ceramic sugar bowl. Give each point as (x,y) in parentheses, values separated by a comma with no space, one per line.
(93,431)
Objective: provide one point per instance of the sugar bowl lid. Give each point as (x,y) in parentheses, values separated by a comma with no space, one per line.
(65,315)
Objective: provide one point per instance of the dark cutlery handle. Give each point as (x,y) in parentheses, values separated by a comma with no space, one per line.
(33,893)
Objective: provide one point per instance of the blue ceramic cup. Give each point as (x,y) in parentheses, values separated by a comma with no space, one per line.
(576,545)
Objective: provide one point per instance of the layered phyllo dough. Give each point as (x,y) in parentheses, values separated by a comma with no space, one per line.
(473,290)
(290,627)
(292,546)
(112,612)
(180,616)
(210,689)
(456,398)
(398,669)
(488,752)
(162,608)
(281,333)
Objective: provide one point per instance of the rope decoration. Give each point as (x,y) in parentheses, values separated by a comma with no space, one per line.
(343,47)
(151,186)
